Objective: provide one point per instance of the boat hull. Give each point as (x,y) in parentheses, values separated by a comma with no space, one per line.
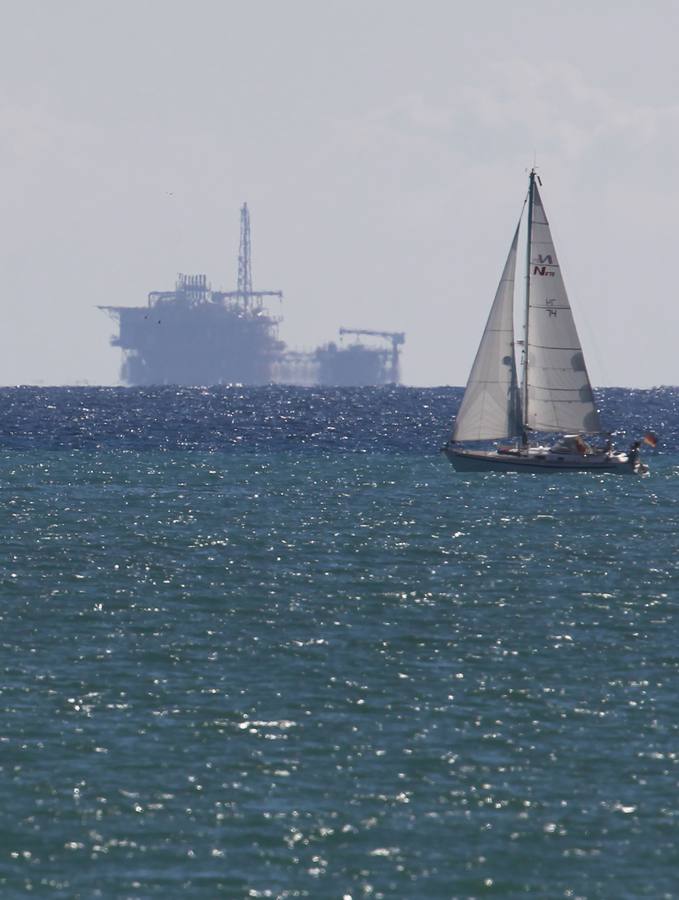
(492,461)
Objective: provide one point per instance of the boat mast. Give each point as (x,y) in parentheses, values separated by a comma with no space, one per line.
(531,191)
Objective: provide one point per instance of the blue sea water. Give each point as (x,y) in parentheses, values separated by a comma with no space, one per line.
(267,643)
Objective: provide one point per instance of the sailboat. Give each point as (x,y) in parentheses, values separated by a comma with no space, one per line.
(554,401)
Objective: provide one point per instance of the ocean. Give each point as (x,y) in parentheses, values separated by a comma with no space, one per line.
(267,643)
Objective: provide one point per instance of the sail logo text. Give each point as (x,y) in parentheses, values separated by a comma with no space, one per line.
(543,262)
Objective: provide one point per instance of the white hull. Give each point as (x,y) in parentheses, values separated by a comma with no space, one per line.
(539,460)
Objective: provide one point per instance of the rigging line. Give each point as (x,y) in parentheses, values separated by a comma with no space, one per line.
(553,390)
(547,347)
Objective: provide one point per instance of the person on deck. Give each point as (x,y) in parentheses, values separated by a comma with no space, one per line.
(633,453)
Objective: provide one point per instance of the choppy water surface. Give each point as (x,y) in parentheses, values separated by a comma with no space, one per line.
(268,643)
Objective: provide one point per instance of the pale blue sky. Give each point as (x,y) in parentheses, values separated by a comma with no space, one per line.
(382,147)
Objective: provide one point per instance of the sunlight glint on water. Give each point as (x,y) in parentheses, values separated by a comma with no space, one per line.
(279,660)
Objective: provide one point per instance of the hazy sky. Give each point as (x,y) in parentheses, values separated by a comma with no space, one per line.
(382,147)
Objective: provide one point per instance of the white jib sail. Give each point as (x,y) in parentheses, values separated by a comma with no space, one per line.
(490,407)
(559,394)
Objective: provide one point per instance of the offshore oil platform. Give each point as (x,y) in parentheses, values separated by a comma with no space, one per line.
(196,336)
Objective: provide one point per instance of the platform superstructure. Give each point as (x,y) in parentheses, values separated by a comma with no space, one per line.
(194,335)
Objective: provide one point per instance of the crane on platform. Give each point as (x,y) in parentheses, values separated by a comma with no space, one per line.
(396,337)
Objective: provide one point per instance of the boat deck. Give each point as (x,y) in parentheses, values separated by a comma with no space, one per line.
(539,460)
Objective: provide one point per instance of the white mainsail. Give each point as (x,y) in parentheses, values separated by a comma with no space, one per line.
(557,394)
(490,407)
